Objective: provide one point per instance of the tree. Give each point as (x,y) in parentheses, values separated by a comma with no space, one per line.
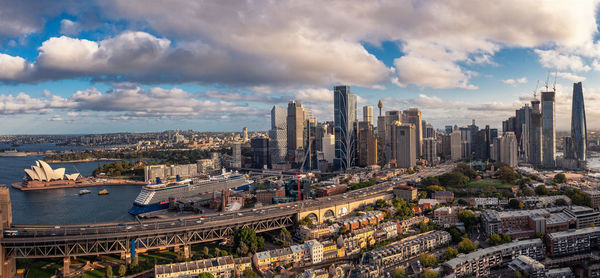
(432,180)
(507,174)
(456,234)
(506,238)
(306,221)
(399,272)
(560,178)
(206,275)
(468,217)
(453,179)
(450,253)
(249,273)
(518,274)
(466,246)
(541,190)
(515,204)
(380,203)
(434,188)
(109,272)
(495,239)
(285,235)
(428,260)
(561,202)
(425,227)
(122,270)
(466,170)
(250,239)
(135,261)
(528,192)
(205,251)
(428,273)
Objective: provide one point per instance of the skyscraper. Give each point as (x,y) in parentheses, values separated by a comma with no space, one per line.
(508,149)
(535,147)
(295,129)
(548,130)
(367,144)
(404,145)
(245,134)
(237,155)
(578,123)
(456,145)
(430,150)
(278,134)
(390,118)
(368,114)
(413,116)
(260,153)
(345,126)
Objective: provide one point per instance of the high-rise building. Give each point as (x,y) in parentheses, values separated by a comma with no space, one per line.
(548,130)
(535,147)
(456,145)
(310,149)
(523,121)
(367,144)
(278,134)
(345,120)
(295,129)
(480,145)
(446,146)
(390,118)
(381,135)
(328,145)
(237,155)
(260,153)
(449,129)
(368,114)
(245,134)
(404,144)
(466,136)
(508,149)
(578,123)
(413,116)
(430,150)
(429,131)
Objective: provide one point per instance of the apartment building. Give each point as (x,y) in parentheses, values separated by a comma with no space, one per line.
(573,241)
(219,267)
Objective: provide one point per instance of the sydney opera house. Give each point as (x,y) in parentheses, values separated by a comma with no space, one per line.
(41,175)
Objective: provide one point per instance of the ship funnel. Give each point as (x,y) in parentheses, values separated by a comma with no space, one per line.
(158,180)
(178,178)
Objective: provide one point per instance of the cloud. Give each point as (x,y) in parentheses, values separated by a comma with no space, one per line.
(13,68)
(69,27)
(570,76)
(554,59)
(514,82)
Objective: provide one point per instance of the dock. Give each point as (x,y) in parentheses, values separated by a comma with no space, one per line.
(113,182)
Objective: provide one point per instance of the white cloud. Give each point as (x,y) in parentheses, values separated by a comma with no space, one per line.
(554,59)
(12,68)
(514,82)
(69,27)
(570,76)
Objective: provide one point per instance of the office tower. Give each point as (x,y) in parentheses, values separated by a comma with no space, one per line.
(310,148)
(480,145)
(456,145)
(260,153)
(295,129)
(509,124)
(429,131)
(508,149)
(345,120)
(278,134)
(368,114)
(404,144)
(390,118)
(328,145)
(430,150)
(237,155)
(578,123)
(548,130)
(245,134)
(523,123)
(466,136)
(367,144)
(413,116)
(535,147)
(449,129)
(446,146)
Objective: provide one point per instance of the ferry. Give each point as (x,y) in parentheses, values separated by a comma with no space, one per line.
(157,196)
(84,191)
(103,192)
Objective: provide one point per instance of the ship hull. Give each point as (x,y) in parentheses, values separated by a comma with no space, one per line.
(141,209)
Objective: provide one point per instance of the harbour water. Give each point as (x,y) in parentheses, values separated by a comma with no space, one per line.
(63,206)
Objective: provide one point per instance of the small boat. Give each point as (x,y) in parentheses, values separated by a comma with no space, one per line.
(103,192)
(84,191)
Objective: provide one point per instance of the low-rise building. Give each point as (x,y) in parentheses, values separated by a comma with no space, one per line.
(443,196)
(585,216)
(408,193)
(573,241)
(446,216)
(479,262)
(241,264)
(316,232)
(525,223)
(218,267)
(594,196)
(265,196)
(528,267)
(331,190)
(543,202)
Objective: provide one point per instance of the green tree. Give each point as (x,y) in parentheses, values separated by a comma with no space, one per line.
(518,274)
(434,188)
(250,239)
(515,204)
(399,272)
(528,192)
(541,190)
(428,273)
(428,260)
(468,217)
(122,270)
(453,179)
(306,221)
(450,253)
(560,202)
(495,239)
(507,174)
(466,246)
(285,235)
(109,272)
(206,275)
(560,178)
(135,261)
(380,203)
(425,227)
(249,273)
(431,180)
(466,170)
(456,234)
(205,251)
(506,238)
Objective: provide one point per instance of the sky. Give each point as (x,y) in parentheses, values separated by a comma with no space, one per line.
(77,67)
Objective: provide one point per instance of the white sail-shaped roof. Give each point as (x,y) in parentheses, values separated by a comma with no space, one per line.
(40,173)
(48,171)
(59,173)
(72,176)
(32,175)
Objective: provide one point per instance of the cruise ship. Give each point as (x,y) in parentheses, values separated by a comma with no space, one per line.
(157,196)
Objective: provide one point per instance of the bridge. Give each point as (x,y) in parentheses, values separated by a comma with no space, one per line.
(127,239)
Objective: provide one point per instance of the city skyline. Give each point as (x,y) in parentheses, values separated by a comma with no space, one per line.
(127,67)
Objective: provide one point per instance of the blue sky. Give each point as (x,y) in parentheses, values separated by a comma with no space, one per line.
(112,66)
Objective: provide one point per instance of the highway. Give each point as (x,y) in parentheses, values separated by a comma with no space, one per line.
(204,221)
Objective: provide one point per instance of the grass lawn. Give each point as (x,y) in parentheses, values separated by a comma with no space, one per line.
(96,273)
(36,269)
(489,183)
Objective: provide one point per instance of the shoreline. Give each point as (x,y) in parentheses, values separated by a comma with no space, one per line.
(19,185)
(83,160)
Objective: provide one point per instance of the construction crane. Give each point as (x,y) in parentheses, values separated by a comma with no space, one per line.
(537,85)
(554,85)
(547,79)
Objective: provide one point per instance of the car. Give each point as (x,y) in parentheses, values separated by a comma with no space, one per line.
(128,228)
(172,224)
(82,229)
(199,221)
(56,227)
(239,214)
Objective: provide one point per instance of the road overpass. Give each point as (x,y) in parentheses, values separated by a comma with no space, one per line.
(127,239)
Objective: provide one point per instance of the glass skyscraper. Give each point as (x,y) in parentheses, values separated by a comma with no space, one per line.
(345,127)
(578,123)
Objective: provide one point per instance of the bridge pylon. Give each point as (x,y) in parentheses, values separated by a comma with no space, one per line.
(8,267)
